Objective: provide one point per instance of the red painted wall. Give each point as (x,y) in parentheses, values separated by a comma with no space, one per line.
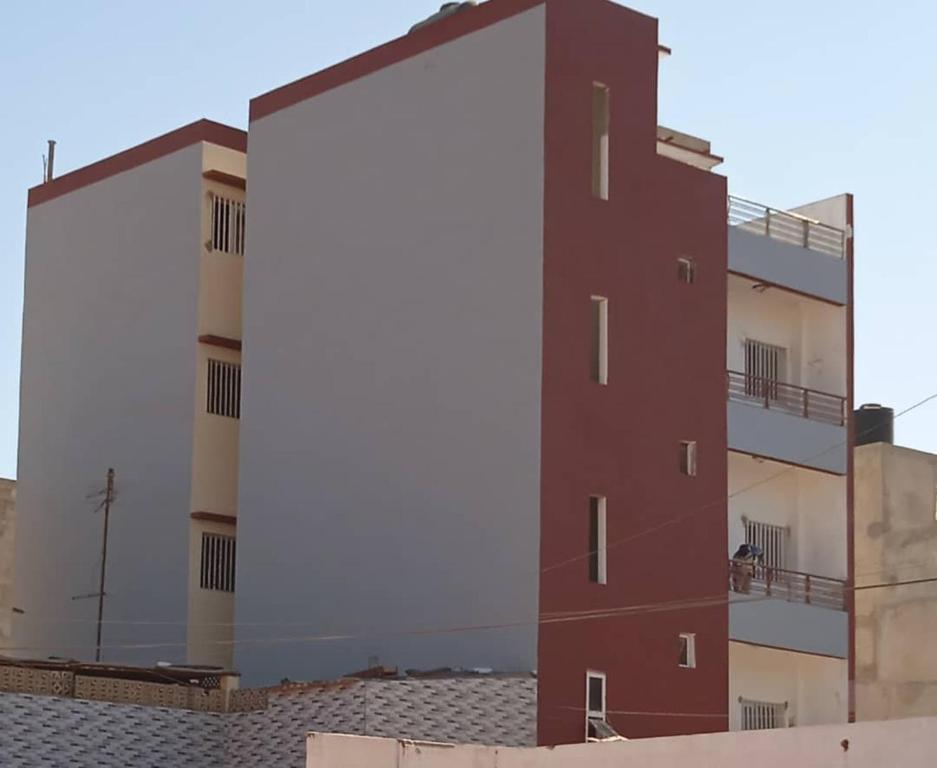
(667,366)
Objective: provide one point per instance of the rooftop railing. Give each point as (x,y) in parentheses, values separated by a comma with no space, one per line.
(788,227)
(793,586)
(789,398)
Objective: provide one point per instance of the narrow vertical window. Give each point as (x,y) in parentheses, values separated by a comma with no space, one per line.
(688,457)
(600,339)
(217,562)
(595,695)
(228,219)
(686,270)
(597,540)
(224,388)
(687,650)
(600,121)
(765,369)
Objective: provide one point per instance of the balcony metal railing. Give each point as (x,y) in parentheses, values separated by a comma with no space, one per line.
(789,398)
(791,228)
(793,586)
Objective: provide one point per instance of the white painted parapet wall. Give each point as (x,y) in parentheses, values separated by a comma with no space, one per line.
(904,743)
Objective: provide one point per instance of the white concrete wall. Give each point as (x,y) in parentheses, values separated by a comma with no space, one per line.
(391,417)
(896,540)
(813,332)
(909,744)
(811,504)
(815,687)
(108,376)
(830,211)
(791,266)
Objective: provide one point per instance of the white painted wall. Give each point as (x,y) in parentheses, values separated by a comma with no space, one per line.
(813,332)
(815,687)
(811,504)
(906,743)
(830,210)
(390,431)
(108,376)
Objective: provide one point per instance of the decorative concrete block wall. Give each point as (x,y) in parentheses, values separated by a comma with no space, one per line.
(57,730)
(52,732)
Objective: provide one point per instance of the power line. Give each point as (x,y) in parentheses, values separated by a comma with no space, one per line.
(884,584)
(546,619)
(550,618)
(709,601)
(713,715)
(729,497)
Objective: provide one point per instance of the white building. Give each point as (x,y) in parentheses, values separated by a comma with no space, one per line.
(131,338)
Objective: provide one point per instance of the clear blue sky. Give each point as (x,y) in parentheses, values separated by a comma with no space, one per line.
(804,100)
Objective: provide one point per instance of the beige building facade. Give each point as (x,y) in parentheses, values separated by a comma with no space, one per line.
(896,543)
(7,531)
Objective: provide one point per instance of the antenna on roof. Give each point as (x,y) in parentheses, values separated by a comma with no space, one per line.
(48,163)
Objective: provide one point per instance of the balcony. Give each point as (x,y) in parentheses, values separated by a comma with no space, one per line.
(792,586)
(786,423)
(788,249)
(787,398)
(789,610)
(786,227)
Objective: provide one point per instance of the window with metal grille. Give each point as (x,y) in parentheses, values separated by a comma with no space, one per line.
(228,220)
(765,368)
(772,539)
(224,388)
(217,571)
(761,715)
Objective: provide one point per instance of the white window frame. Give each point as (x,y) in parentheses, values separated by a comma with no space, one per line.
(689,638)
(591,713)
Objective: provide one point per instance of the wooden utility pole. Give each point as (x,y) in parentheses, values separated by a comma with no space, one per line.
(108,498)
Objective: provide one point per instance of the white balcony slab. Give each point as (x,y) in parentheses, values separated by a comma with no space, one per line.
(795,626)
(789,266)
(773,434)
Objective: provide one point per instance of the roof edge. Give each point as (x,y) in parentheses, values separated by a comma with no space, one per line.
(193,133)
(399,49)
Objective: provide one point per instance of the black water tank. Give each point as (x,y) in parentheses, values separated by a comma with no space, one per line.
(874,424)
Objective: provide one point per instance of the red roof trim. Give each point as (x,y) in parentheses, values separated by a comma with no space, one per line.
(443,31)
(201,130)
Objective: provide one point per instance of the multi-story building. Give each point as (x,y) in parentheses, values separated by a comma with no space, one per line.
(7,532)
(492,317)
(131,361)
(896,664)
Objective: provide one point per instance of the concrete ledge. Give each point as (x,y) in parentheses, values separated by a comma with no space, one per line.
(784,437)
(792,626)
(788,266)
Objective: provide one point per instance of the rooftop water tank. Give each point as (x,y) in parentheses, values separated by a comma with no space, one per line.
(874,423)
